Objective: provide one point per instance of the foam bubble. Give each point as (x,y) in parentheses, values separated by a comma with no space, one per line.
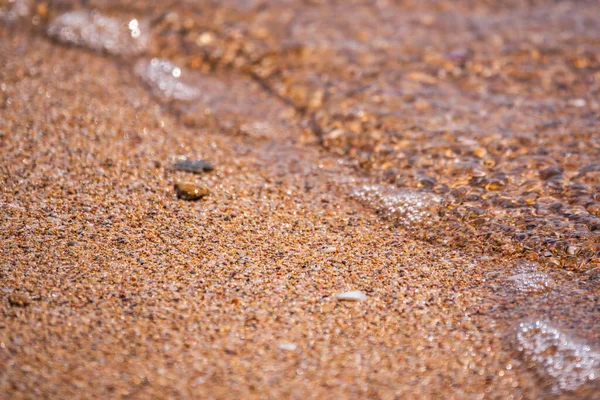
(100,33)
(15,10)
(529,279)
(555,355)
(164,79)
(405,207)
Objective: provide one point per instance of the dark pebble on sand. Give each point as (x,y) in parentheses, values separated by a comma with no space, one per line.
(194,166)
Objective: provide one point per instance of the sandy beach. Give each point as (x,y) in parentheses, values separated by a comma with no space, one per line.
(403,199)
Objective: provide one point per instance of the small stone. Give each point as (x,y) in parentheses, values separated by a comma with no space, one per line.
(355,295)
(330,249)
(422,77)
(426,182)
(205,38)
(459,55)
(577,103)
(550,172)
(479,152)
(194,166)
(287,346)
(19,300)
(495,184)
(42,10)
(190,191)
(422,105)
(556,206)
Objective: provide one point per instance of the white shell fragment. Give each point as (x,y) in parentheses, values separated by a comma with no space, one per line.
(355,295)
(287,346)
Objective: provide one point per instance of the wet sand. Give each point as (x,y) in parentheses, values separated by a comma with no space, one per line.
(114,287)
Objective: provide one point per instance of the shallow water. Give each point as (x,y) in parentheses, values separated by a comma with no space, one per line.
(565,363)
(120,37)
(528,279)
(410,209)
(467,128)
(164,79)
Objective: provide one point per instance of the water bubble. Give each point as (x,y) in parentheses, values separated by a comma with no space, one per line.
(163,78)
(404,207)
(14,10)
(555,355)
(529,279)
(134,27)
(100,33)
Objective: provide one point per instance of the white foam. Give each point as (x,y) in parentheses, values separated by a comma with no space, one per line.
(404,207)
(529,279)
(15,10)
(100,33)
(557,356)
(164,79)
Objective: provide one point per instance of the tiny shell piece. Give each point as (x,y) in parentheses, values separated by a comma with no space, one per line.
(355,295)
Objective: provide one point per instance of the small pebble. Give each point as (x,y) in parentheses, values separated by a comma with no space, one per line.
(355,295)
(550,172)
(19,300)
(190,191)
(287,346)
(577,103)
(194,166)
(330,249)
